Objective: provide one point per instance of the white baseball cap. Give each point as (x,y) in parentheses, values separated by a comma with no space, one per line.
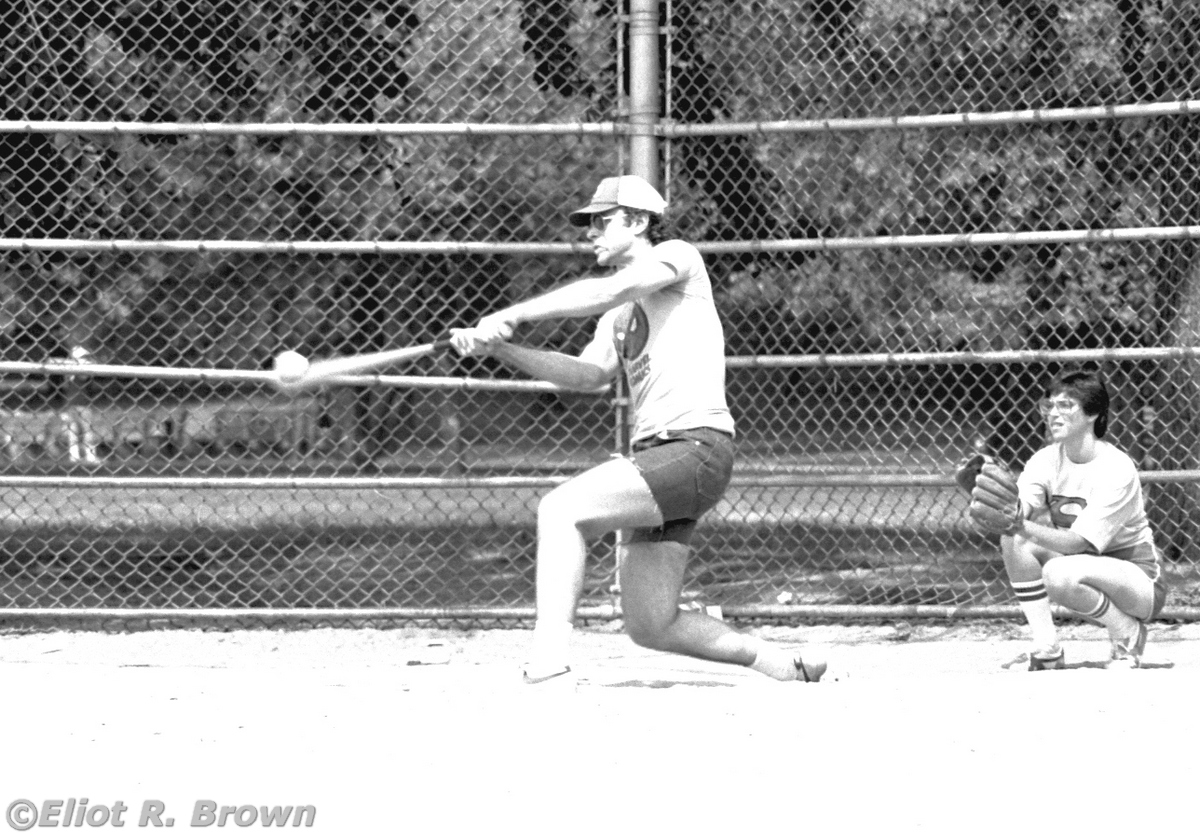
(629,191)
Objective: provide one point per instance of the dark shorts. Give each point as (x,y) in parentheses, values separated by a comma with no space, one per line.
(1146,558)
(687,471)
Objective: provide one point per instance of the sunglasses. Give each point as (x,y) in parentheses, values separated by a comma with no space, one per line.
(599,222)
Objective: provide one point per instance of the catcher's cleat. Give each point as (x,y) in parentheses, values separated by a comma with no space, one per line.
(1047,659)
(1127,653)
(809,672)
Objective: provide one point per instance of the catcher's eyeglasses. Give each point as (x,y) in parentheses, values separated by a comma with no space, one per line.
(1062,406)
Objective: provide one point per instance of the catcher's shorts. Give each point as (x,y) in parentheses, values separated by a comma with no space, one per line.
(687,471)
(1145,557)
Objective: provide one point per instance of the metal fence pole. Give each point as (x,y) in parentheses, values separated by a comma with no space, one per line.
(644,72)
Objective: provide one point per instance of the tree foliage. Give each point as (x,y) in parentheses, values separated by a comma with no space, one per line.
(517,60)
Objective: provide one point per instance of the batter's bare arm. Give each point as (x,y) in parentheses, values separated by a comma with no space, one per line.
(557,368)
(593,368)
(582,298)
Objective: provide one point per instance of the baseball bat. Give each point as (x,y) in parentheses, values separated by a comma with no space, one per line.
(322,371)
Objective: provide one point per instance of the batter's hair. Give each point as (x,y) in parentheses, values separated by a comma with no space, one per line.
(1086,387)
(659,229)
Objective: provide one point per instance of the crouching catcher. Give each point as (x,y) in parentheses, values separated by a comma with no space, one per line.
(1073,527)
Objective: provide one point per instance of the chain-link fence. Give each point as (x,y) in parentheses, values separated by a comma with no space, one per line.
(914,211)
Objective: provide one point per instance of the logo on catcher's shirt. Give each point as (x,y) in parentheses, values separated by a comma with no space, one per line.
(1064,510)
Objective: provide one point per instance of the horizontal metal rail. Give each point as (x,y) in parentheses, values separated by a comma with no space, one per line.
(303,129)
(250,483)
(740,480)
(958,358)
(1035,116)
(291,248)
(65,368)
(604,612)
(498,248)
(946,240)
(665,129)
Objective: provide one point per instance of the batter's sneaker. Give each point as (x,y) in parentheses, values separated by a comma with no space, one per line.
(1047,659)
(809,671)
(1127,653)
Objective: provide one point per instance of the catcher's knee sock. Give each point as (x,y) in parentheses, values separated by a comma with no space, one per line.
(1035,604)
(773,661)
(1119,623)
(551,639)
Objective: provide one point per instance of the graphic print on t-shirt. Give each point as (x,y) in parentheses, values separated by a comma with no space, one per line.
(631,332)
(1064,510)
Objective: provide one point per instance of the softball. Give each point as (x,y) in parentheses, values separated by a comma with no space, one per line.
(290,367)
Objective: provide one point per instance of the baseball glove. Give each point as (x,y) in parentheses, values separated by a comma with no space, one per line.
(995,501)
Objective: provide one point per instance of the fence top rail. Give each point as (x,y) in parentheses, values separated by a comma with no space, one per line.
(783,245)
(666,129)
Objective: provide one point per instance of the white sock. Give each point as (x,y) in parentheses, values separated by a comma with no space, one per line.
(551,641)
(1119,623)
(1035,604)
(773,661)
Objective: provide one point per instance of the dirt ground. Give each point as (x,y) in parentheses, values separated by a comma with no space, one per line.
(925,728)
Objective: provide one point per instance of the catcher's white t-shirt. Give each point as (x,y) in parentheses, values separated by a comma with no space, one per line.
(672,348)
(1100,500)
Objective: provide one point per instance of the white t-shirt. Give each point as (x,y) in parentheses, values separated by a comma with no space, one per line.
(672,348)
(1100,500)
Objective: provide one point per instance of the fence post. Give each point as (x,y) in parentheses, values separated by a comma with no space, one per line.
(644,81)
(644,84)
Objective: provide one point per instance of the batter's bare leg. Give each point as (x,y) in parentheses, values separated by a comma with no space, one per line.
(651,581)
(605,498)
